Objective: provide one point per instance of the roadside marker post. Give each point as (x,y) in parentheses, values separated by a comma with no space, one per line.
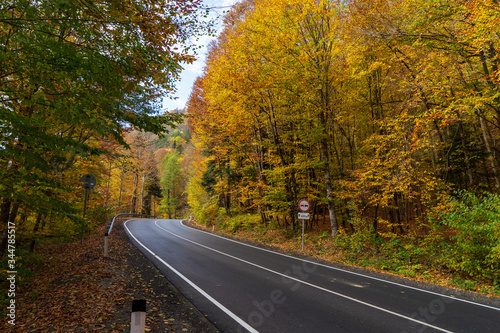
(304,207)
(106,246)
(138,319)
(106,234)
(110,227)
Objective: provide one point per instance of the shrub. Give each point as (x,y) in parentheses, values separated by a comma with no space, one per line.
(241,222)
(363,238)
(474,243)
(208,213)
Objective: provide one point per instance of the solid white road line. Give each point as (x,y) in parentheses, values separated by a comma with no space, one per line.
(201,291)
(307,283)
(346,271)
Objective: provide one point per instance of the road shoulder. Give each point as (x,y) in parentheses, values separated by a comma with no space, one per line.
(76,289)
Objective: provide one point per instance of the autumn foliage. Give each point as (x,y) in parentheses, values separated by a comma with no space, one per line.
(375,111)
(79,82)
(384,114)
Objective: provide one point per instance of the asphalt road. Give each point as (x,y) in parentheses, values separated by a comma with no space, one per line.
(243,288)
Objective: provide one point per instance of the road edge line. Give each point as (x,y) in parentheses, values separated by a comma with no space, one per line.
(346,271)
(192,284)
(309,284)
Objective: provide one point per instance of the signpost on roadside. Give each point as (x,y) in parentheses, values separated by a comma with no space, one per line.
(304,207)
(88,183)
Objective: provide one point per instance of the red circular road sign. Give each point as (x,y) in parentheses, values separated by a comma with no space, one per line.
(304,205)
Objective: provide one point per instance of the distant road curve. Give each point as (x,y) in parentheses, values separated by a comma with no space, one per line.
(242,288)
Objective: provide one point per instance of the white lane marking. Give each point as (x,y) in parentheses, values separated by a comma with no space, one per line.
(308,284)
(344,270)
(201,291)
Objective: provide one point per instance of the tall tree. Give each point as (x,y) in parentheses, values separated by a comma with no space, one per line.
(372,108)
(71,71)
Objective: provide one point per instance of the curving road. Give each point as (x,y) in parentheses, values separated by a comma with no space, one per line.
(247,289)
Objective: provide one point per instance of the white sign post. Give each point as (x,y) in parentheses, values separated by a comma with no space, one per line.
(304,207)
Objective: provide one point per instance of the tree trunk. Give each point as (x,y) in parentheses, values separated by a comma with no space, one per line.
(142,195)
(466,154)
(168,204)
(4,219)
(121,187)
(133,201)
(228,190)
(328,178)
(488,149)
(35,229)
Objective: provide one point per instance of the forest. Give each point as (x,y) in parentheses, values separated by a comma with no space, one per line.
(383,114)
(81,85)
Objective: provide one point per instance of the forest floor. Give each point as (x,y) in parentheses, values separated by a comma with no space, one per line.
(76,289)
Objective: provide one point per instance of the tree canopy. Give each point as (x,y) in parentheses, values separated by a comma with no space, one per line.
(74,77)
(379,108)
(383,113)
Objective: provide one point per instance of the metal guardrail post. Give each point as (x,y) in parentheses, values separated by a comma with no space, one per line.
(110,227)
(106,245)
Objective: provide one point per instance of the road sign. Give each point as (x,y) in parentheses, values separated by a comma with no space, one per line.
(88,181)
(304,205)
(303,216)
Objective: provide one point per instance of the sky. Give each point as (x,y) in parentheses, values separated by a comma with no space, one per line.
(192,71)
